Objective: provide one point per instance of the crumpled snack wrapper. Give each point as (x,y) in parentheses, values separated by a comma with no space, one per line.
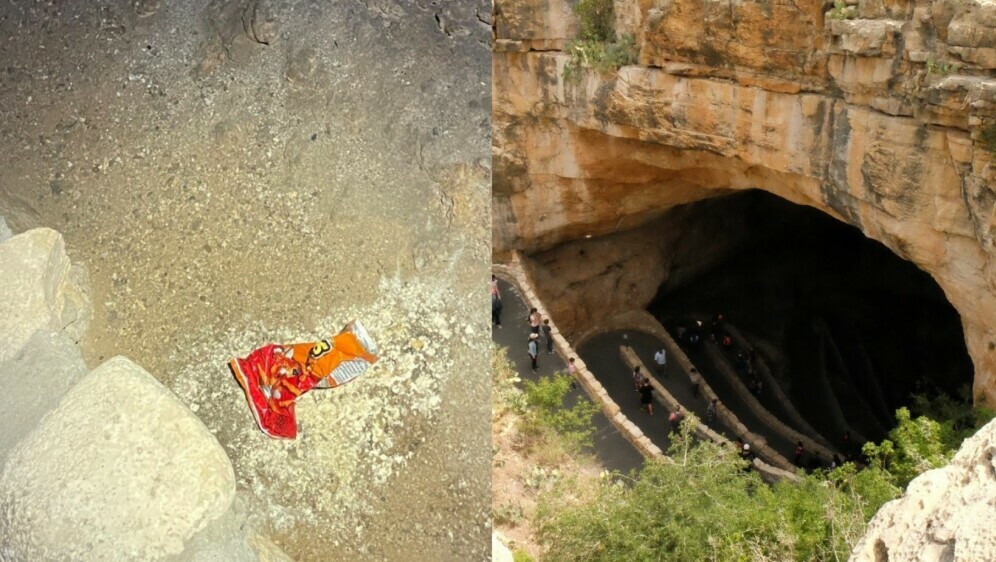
(274,376)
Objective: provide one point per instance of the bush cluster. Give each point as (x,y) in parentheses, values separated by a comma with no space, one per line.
(597,47)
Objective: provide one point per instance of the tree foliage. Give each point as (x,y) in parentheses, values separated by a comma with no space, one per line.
(597,19)
(546,409)
(597,46)
(701,503)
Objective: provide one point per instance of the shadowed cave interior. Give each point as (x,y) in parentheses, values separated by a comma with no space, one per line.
(837,316)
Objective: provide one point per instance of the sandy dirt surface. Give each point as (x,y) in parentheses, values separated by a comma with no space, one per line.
(233,173)
(525,467)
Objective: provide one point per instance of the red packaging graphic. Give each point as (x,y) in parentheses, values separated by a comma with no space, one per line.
(274,376)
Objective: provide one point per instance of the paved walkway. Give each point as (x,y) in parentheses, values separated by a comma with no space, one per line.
(601,354)
(724,390)
(610,447)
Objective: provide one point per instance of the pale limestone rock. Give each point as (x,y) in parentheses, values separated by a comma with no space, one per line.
(231,538)
(946,514)
(5,232)
(499,552)
(39,375)
(41,290)
(865,37)
(120,470)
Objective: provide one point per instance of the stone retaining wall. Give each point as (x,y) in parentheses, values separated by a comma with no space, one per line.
(772,383)
(769,419)
(784,470)
(643,321)
(515,274)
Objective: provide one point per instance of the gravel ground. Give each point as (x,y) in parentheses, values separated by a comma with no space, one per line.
(255,171)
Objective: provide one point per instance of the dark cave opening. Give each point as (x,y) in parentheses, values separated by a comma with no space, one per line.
(845,325)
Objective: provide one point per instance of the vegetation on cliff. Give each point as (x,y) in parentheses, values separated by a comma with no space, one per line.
(703,503)
(598,46)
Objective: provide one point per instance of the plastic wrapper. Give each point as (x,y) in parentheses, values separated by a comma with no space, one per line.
(274,376)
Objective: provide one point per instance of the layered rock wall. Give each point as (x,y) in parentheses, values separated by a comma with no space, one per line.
(875,113)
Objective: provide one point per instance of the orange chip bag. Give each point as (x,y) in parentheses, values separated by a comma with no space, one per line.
(274,376)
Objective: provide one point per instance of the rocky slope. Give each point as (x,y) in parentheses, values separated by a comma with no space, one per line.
(236,172)
(875,113)
(945,514)
(131,472)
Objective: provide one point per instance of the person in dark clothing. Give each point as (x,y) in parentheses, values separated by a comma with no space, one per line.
(798,453)
(717,325)
(694,378)
(647,397)
(746,453)
(712,410)
(815,462)
(548,334)
(496,307)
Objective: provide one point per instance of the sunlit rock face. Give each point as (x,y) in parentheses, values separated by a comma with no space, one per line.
(945,514)
(876,117)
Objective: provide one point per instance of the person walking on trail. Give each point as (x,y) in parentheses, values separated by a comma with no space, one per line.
(496,306)
(712,410)
(534,350)
(798,453)
(572,369)
(548,334)
(534,321)
(647,397)
(494,287)
(660,358)
(638,378)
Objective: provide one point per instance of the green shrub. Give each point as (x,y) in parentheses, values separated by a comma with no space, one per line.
(545,409)
(505,393)
(603,57)
(938,67)
(507,514)
(522,556)
(701,504)
(598,47)
(914,446)
(597,19)
(988,137)
(841,11)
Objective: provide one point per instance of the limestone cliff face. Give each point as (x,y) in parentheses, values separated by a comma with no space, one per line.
(875,118)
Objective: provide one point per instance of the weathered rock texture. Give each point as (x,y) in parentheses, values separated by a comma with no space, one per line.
(120,470)
(876,120)
(946,514)
(40,290)
(34,380)
(5,232)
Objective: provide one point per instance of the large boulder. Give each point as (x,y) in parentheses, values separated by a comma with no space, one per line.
(36,378)
(5,232)
(40,290)
(945,515)
(120,470)
(231,538)
(500,552)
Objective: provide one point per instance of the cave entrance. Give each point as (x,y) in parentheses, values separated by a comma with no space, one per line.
(847,328)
